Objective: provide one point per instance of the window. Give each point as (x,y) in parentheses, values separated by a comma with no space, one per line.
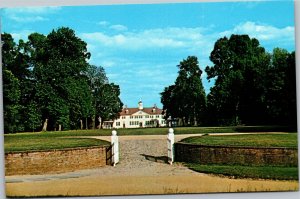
(117,123)
(147,116)
(123,117)
(157,116)
(133,123)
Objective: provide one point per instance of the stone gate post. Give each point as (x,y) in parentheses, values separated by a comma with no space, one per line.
(170,140)
(115,148)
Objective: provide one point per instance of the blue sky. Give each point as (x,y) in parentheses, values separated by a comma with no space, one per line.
(140,46)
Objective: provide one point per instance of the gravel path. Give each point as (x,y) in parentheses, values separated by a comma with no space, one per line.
(143,169)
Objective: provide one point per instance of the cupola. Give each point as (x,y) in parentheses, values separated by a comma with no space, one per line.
(140,105)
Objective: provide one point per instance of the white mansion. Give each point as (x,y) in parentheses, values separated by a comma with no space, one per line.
(139,117)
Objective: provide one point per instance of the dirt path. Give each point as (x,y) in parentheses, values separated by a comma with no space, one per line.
(142,170)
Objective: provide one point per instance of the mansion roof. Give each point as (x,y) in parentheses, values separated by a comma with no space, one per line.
(150,111)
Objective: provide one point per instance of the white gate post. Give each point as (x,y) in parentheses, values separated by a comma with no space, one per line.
(115,147)
(170,141)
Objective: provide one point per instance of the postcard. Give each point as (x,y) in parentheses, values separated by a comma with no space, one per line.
(147,99)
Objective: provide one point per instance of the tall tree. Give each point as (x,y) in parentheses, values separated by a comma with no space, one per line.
(60,61)
(11,99)
(16,76)
(108,102)
(281,84)
(186,99)
(48,79)
(240,64)
(96,79)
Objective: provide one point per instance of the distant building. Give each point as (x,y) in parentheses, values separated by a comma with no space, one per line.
(139,117)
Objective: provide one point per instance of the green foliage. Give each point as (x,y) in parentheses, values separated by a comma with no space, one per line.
(33,115)
(108,103)
(186,99)
(281,92)
(58,72)
(48,77)
(251,86)
(239,67)
(11,98)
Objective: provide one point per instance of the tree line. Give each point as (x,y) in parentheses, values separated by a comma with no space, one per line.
(252,87)
(48,84)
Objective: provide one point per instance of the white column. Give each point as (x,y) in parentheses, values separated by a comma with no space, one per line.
(170,140)
(115,148)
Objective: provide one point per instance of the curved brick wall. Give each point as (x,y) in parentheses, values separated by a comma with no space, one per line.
(54,161)
(235,155)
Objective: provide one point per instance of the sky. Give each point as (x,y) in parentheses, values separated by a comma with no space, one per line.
(141,45)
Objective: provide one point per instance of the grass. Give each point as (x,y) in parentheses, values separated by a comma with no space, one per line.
(40,142)
(59,139)
(257,140)
(236,171)
(203,130)
(177,130)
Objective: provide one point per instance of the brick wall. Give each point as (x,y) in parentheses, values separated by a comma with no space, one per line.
(235,155)
(54,161)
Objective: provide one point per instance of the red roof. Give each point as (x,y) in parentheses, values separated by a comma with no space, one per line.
(150,111)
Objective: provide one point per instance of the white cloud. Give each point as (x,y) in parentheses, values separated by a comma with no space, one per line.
(118,27)
(29,14)
(263,32)
(31,10)
(103,23)
(152,38)
(28,19)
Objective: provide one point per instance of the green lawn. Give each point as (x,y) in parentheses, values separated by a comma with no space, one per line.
(177,130)
(257,140)
(263,172)
(58,140)
(46,141)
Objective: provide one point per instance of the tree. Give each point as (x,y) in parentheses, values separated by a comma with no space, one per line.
(281,92)
(48,79)
(60,62)
(15,77)
(240,64)
(186,99)
(96,79)
(11,98)
(169,102)
(34,117)
(108,102)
